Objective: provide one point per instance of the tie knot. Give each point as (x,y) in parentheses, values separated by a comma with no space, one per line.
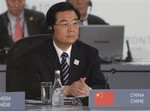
(18,19)
(64,55)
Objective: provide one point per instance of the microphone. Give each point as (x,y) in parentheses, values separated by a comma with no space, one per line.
(129,55)
(112,71)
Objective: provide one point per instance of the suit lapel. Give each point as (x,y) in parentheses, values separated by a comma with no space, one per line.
(27,21)
(52,58)
(7,22)
(30,22)
(75,63)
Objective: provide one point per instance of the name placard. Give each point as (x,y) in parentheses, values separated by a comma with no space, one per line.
(12,101)
(120,98)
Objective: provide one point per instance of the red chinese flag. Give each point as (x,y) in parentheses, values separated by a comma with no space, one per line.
(103,98)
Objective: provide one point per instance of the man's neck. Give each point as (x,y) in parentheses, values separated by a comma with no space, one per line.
(84,17)
(62,47)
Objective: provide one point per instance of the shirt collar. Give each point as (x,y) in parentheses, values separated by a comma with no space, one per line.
(12,17)
(84,21)
(59,51)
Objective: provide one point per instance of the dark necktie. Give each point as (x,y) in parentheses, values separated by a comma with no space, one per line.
(64,69)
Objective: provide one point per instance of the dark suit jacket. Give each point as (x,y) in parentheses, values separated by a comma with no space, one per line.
(94,20)
(40,63)
(5,40)
(33,19)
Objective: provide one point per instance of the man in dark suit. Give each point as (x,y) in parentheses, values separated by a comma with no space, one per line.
(87,19)
(30,21)
(39,64)
(5,40)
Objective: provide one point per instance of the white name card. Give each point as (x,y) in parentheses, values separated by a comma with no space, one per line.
(120,98)
(12,101)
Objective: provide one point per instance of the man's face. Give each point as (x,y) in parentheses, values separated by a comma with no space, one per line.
(81,5)
(15,6)
(66,28)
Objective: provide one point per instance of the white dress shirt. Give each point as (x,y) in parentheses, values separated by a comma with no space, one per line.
(59,53)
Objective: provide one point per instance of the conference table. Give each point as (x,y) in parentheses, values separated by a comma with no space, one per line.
(131,75)
(31,107)
(127,76)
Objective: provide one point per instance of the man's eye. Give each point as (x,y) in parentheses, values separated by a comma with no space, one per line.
(64,24)
(75,22)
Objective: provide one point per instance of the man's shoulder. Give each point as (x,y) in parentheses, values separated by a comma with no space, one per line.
(84,46)
(33,12)
(5,18)
(1,18)
(93,19)
(93,16)
(4,15)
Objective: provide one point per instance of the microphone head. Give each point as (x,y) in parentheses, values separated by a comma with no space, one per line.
(113,70)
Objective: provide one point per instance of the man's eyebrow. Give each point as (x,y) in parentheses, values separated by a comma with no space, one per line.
(63,20)
(67,20)
(75,19)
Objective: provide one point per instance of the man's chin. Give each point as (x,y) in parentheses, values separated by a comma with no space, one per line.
(71,42)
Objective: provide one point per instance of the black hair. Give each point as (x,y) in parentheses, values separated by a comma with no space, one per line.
(59,7)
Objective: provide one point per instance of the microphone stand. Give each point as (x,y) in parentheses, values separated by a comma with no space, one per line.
(129,55)
(112,71)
